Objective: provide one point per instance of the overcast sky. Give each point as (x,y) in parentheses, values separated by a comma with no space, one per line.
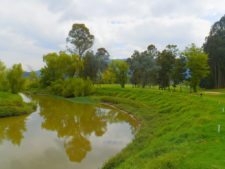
(31,28)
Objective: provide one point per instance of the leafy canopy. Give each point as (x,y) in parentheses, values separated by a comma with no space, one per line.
(197,63)
(80,39)
(15,78)
(119,69)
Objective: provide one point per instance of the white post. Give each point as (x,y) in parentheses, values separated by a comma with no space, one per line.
(218,128)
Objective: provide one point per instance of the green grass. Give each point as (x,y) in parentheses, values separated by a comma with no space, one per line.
(13,105)
(178,129)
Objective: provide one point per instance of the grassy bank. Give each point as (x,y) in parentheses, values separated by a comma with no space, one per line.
(178,130)
(13,105)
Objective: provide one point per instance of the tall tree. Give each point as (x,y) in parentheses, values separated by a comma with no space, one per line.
(178,71)
(135,73)
(90,66)
(143,66)
(95,64)
(120,70)
(80,39)
(215,48)
(15,78)
(197,63)
(102,56)
(166,61)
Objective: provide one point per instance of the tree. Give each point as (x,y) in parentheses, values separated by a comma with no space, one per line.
(143,66)
(95,64)
(15,78)
(178,71)
(108,77)
(80,39)
(197,63)
(3,80)
(60,66)
(215,48)
(166,61)
(102,56)
(120,69)
(90,66)
(135,73)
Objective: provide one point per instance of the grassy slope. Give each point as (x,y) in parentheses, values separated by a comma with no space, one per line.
(178,130)
(13,105)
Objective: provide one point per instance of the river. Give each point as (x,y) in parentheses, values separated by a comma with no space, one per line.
(64,135)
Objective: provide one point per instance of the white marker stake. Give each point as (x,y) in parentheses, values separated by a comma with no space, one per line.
(218,128)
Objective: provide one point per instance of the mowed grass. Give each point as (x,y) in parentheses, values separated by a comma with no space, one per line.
(13,105)
(178,130)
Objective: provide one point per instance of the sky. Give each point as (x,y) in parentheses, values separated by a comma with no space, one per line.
(30,29)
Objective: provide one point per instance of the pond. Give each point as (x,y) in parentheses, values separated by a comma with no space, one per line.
(64,135)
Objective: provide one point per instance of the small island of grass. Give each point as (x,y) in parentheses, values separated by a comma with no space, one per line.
(13,105)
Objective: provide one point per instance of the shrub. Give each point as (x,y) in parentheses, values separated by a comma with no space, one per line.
(78,87)
(72,87)
(88,87)
(57,87)
(69,87)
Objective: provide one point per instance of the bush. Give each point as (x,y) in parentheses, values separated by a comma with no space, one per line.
(57,87)
(78,87)
(72,87)
(88,87)
(69,87)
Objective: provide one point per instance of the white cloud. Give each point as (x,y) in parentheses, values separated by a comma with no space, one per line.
(29,29)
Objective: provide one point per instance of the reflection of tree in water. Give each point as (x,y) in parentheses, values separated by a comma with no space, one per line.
(12,129)
(77,147)
(75,123)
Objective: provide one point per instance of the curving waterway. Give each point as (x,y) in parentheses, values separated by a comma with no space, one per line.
(64,135)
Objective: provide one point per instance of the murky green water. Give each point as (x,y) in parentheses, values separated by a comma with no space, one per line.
(64,135)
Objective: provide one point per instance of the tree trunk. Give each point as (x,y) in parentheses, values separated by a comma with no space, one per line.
(215,77)
(221,80)
(122,85)
(195,88)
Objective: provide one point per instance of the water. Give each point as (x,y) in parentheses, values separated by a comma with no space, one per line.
(64,135)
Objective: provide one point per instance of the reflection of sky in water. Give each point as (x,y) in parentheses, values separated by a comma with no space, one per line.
(25,98)
(64,135)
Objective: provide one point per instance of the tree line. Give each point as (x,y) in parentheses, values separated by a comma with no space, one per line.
(74,71)
(80,66)
(168,67)
(214,46)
